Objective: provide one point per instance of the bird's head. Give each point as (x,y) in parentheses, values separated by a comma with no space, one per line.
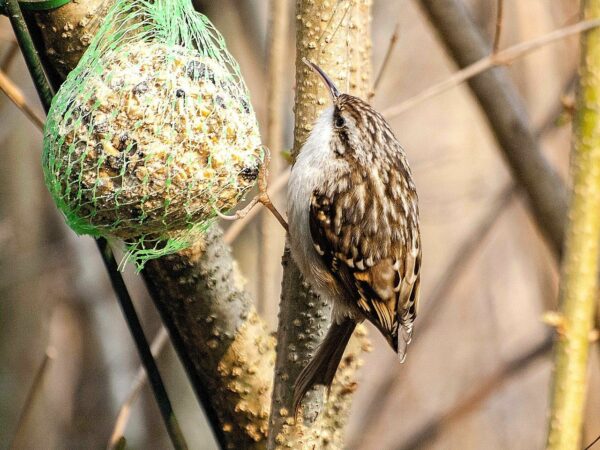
(356,129)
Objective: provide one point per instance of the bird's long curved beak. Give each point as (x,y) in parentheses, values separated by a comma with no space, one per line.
(333,90)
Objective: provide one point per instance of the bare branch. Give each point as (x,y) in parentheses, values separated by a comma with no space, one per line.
(16,96)
(61,51)
(386,58)
(501,58)
(158,343)
(222,343)
(579,270)
(13,50)
(499,20)
(32,395)
(507,116)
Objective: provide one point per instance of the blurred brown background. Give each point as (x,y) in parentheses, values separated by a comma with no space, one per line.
(478,372)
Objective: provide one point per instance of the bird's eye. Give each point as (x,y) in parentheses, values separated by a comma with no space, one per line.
(340,122)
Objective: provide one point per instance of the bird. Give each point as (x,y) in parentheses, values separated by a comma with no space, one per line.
(354,233)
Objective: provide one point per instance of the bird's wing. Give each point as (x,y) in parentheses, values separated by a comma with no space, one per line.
(373,249)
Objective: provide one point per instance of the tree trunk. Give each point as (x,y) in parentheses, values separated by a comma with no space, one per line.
(336,36)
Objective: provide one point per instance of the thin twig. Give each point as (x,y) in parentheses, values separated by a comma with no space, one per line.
(269,205)
(16,96)
(158,343)
(499,24)
(8,59)
(32,395)
(592,443)
(386,58)
(503,57)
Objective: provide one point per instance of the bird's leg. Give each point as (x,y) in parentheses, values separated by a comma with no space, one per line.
(263,194)
(238,214)
(262,197)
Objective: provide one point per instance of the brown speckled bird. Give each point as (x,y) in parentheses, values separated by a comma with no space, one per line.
(354,229)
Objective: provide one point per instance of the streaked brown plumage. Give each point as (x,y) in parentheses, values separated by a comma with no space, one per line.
(354,231)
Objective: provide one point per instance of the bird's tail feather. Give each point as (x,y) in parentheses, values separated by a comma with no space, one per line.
(404,338)
(323,365)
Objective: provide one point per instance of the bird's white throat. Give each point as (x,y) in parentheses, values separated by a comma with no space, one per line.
(309,169)
(314,164)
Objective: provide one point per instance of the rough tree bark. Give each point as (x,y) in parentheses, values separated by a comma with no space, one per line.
(335,35)
(579,280)
(507,117)
(223,344)
(66,32)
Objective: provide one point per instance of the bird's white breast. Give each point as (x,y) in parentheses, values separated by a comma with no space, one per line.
(316,167)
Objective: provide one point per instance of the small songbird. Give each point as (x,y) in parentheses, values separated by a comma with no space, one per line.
(354,229)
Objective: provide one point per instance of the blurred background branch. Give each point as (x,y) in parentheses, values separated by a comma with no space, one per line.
(507,117)
(499,24)
(158,343)
(498,58)
(277,48)
(16,96)
(473,400)
(33,394)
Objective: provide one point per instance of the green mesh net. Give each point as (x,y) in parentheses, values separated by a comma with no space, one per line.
(152,132)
